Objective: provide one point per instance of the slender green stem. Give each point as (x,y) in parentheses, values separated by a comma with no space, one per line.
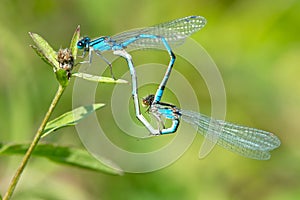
(32,146)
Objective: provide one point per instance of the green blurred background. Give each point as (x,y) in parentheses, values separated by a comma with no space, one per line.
(256,47)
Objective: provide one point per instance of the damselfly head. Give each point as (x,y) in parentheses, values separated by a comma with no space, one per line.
(147,101)
(83,43)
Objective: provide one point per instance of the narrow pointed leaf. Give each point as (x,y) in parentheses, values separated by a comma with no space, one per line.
(64,155)
(45,49)
(70,118)
(95,78)
(40,54)
(73,45)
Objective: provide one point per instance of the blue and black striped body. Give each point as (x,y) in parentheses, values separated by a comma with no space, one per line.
(246,141)
(164,35)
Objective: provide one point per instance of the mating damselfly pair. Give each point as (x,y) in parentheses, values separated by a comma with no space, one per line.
(249,142)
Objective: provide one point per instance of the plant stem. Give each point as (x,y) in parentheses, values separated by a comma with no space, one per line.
(32,146)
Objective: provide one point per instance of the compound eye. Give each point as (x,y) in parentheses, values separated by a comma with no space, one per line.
(80,44)
(83,43)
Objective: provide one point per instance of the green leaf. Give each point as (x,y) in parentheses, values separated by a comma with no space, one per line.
(40,54)
(64,155)
(100,79)
(70,118)
(73,45)
(62,77)
(45,49)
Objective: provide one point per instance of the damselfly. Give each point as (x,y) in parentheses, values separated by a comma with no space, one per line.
(162,35)
(248,142)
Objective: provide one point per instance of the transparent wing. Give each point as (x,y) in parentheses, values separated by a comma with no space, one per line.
(175,32)
(248,142)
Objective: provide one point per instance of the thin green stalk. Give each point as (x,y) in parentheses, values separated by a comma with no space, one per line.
(35,141)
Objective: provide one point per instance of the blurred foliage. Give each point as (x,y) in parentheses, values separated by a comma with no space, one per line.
(256,47)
